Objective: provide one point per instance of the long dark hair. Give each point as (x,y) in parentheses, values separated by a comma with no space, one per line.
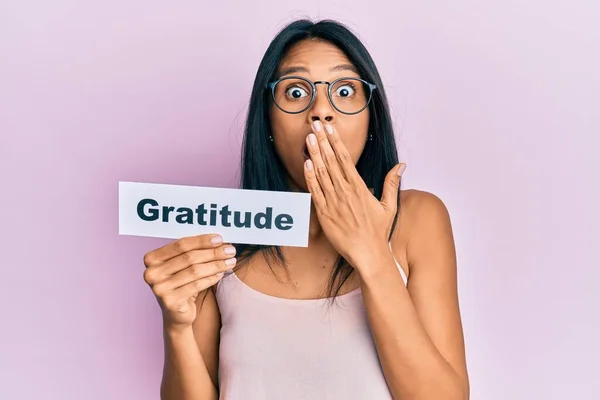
(261,168)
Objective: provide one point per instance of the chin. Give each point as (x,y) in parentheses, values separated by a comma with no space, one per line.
(298,183)
(302,188)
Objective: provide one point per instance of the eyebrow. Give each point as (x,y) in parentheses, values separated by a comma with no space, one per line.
(341,67)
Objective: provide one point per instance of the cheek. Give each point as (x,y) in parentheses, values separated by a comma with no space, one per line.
(283,126)
(355,143)
(356,147)
(285,136)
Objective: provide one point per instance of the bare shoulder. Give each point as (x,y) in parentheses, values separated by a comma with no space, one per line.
(416,204)
(423,221)
(427,235)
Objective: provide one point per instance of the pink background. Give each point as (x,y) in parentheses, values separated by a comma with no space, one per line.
(497,108)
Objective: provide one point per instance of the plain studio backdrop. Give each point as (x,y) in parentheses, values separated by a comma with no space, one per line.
(496,105)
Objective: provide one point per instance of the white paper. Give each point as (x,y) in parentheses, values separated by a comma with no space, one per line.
(175,211)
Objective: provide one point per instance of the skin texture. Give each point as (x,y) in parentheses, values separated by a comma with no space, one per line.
(315,60)
(417,329)
(421,358)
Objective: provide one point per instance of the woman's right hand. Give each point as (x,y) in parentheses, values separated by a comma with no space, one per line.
(179,271)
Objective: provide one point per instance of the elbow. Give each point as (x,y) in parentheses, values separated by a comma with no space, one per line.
(456,388)
(461,389)
(452,391)
(466,392)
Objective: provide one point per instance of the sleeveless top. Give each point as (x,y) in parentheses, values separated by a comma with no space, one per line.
(272,348)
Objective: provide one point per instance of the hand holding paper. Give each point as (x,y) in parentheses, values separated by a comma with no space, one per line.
(179,271)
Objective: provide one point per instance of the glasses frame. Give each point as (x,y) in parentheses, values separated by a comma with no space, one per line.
(271,86)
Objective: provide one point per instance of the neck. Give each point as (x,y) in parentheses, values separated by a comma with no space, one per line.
(315,231)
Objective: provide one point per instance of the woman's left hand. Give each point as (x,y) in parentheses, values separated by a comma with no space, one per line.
(355,222)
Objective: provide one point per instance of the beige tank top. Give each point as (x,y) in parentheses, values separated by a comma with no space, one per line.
(286,349)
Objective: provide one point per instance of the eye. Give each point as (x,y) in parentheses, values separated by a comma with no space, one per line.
(296,92)
(346,90)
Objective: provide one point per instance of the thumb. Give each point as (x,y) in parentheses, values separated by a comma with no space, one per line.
(389,196)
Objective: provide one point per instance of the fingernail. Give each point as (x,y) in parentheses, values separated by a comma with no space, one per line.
(317,126)
(312,139)
(309,165)
(216,240)
(329,129)
(401,169)
(230,261)
(229,250)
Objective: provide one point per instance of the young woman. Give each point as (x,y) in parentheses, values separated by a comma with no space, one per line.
(369,310)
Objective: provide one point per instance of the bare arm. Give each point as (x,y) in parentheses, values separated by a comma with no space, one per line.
(182,276)
(418,329)
(191,355)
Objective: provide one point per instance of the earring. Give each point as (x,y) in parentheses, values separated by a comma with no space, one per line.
(370,137)
(271,138)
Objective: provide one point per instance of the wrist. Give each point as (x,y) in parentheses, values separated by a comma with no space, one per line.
(363,254)
(173,330)
(376,263)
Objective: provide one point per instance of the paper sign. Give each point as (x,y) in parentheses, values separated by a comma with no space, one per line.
(239,215)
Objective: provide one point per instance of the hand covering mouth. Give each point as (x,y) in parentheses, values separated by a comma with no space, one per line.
(305,152)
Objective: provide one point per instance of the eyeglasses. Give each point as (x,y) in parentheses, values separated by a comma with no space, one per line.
(295,94)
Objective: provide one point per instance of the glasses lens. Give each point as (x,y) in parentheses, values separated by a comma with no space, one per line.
(293,94)
(350,95)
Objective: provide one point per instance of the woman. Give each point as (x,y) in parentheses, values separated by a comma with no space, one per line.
(369,309)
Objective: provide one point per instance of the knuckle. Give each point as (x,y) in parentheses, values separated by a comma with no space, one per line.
(183,306)
(316,190)
(187,258)
(204,241)
(149,276)
(345,157)
(177,245)
(149,258)
(330,159)
(180,307)
(196,269)
(321,170)
(322,212)
(158,291)
(347,193)
(181,245)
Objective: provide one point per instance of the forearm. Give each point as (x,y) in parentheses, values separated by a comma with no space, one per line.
(185,376)
(413,367)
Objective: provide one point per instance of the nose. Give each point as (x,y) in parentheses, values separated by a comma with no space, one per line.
(321,110)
